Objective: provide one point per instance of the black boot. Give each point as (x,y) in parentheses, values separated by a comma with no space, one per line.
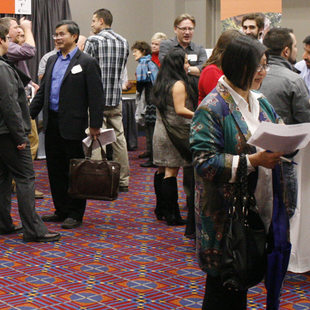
(170,195)
(158,179)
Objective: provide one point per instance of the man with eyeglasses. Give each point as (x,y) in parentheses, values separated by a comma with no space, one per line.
(184,26)
(286,91)
(71,96)
(15,156)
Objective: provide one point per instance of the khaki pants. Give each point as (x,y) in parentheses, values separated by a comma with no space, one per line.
(113,118)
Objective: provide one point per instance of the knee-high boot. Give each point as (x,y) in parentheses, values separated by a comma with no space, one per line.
(159,209)
(170,195)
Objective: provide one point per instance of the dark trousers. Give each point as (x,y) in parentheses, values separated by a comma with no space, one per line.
(149,132)
(59,151)
(218,298)
(18,164)
(189,189)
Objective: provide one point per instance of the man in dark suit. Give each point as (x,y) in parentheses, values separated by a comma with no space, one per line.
(71,95)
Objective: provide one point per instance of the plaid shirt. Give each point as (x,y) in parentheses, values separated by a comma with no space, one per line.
(111,51)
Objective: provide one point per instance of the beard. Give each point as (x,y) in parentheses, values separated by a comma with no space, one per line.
(291,60)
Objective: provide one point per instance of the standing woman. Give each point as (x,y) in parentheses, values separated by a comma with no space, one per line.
(174,101)
(155,44)
(222,124)
(146,73)
(212,68)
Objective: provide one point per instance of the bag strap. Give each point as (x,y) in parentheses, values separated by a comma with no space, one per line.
(90,150)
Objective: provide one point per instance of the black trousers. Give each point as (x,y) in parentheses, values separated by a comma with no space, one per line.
(218,298)
(59,151)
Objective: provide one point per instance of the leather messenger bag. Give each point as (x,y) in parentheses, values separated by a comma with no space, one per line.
(94,179)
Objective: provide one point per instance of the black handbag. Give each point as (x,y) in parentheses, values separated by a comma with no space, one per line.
(244,244)
(94,179)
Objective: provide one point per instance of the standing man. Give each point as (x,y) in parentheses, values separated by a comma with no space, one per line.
(184,27)
(253,25)
(111,50)
(286,91)
(304,65)
(70,88)
(15,157)
(21,48)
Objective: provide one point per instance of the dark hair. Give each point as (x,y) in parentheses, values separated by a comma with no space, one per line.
(221,45)
(106,15)
(142,46)
(258,17)
(306,40)
(276,39)
(72,27)
(171,71)
(240,60)
(4,30)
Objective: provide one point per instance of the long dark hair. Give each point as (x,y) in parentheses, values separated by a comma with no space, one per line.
(171,71)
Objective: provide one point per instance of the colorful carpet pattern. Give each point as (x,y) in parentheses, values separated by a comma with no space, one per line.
(121,258)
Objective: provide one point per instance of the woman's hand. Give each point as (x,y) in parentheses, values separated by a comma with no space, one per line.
(265,159)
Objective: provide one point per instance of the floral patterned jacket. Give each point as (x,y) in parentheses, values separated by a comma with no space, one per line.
(214,139)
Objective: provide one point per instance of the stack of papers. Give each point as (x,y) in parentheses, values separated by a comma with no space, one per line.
(107,136)
(281,138)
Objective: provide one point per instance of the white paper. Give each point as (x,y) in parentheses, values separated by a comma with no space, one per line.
(23,7)
(281,138)
(106,136)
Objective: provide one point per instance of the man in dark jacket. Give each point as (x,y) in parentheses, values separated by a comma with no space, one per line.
(286,91)
(71,96)
(15,156)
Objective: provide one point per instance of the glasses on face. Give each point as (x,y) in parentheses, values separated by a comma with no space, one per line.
(184,29)
(260,68)
(58,35)
(8,37)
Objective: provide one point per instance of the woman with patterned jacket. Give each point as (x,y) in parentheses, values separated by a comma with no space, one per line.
(222,124)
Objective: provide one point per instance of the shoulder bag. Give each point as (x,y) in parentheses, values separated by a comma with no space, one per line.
(244,244)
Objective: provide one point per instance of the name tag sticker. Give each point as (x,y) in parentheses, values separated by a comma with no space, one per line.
(76,69)
(192,57)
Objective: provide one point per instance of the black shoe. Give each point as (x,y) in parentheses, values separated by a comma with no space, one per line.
(144,155)
(15,229)
(70,223)
(148,164)
(52,218)
(123,189)
(49,237)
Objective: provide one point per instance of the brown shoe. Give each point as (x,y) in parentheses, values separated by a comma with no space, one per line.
(52,218)
(38,194)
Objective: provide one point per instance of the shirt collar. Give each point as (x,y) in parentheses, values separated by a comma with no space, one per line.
(70,55)
(253,95)
(176,43)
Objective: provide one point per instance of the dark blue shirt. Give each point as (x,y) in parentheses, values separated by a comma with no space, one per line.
(59,70)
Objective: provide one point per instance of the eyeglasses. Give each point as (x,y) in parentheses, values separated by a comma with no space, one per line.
(8,37)
(183,29)
(260,68)
(58,35)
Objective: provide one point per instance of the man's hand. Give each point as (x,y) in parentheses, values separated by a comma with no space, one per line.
(94,132)
(21,146)
(25,24)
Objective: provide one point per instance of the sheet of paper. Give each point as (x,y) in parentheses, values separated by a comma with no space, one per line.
(107,136)
(281,138)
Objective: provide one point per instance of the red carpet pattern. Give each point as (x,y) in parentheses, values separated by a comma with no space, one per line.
(121,258)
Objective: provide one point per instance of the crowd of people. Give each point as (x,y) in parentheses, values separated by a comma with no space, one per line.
(197,112)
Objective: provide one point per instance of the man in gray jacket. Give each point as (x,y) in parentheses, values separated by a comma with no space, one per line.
(286,91)
(15,156)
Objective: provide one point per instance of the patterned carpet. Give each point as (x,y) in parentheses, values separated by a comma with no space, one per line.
(121,258)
